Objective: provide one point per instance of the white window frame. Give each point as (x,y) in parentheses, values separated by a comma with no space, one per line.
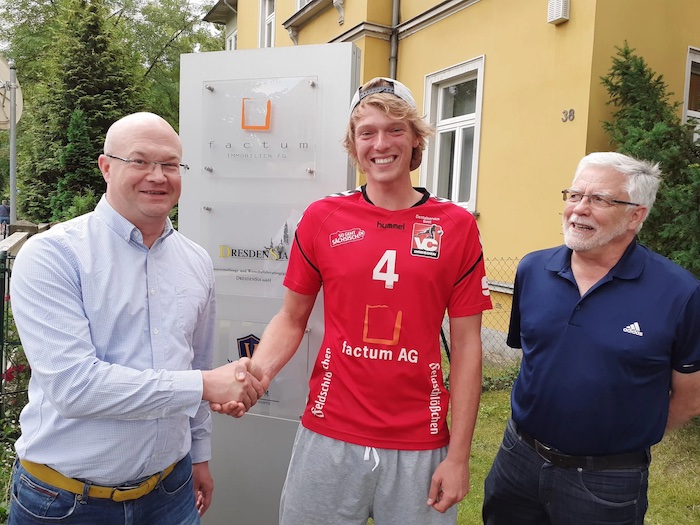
(302,3)
(693,59)
(267,23)
(434,83)
(232,41)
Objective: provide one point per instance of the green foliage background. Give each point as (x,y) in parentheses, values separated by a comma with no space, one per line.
(647,125)
(83,64)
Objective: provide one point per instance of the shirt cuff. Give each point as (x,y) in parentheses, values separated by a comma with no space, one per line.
(188,388)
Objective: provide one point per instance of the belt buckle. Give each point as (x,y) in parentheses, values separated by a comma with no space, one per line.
(125,487)
(128,488)
(115,490)
(541,446)
(122,490)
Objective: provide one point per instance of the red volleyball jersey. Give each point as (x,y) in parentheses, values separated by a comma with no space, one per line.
(388,277)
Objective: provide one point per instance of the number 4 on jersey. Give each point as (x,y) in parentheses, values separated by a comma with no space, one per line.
(385,269)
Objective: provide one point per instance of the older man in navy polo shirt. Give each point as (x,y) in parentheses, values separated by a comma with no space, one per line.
(611,359)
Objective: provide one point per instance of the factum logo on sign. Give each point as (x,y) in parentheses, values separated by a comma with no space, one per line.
(269,124)
(251,112)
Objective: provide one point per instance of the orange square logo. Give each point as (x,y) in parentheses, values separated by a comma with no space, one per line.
(382,325)
(256,114)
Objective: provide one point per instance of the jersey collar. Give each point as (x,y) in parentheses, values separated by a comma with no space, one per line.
(423,199)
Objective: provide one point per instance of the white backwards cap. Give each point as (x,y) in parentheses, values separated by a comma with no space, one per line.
(395,88)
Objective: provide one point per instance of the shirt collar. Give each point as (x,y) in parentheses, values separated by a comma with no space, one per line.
(629,266)
(121,226)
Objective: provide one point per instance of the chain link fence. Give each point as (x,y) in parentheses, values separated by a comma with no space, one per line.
(500,362)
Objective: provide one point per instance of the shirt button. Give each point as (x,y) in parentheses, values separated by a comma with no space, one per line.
(578,307)
(153,291)
(156,331)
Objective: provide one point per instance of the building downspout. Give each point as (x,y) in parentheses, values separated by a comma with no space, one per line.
(395,5)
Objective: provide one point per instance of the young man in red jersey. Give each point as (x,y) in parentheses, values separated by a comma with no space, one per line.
(373,440)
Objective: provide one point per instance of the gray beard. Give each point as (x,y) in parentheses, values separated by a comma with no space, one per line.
(580,244)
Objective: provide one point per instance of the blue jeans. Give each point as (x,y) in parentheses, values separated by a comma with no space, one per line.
(170,503)
(524,489)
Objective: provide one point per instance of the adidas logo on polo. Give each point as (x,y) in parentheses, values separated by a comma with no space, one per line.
(633,329)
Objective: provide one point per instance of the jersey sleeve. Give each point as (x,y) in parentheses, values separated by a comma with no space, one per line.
(471,292)
(303,274)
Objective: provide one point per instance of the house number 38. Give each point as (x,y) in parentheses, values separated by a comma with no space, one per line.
(567,115)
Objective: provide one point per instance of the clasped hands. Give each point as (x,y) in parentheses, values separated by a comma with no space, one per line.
(235,387)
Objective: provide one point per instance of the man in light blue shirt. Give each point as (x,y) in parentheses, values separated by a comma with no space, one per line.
(116,313)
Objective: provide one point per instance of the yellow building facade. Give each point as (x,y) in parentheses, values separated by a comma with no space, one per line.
(512,86)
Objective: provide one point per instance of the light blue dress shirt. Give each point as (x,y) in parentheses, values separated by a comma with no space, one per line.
(115,334)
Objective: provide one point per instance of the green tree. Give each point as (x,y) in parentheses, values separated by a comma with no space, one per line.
(82,70)
(104,57)
(164,31)
(97,86)
(80,171)
(83,203)
(38,157)
(646,124)
(28,30)
(96,73)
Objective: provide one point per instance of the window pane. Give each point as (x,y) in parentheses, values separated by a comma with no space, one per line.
(446,157)
(465,171)
(694,94)
(459,99)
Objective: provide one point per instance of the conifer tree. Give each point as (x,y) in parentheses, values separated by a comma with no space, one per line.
(98,89)
(38,163)
(86,77)
(646,124)
(79,168)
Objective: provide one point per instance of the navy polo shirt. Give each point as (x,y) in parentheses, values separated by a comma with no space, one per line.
(596,370)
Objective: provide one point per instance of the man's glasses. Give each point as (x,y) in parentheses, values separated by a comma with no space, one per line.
(595,199)
(146,166)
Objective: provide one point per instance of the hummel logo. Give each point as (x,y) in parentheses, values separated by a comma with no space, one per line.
(633,329)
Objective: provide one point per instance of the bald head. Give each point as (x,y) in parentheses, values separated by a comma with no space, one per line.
(120,132)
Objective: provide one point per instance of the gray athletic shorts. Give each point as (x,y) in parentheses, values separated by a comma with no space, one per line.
(331,482)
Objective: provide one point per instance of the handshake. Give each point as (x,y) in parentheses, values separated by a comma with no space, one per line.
(235,387)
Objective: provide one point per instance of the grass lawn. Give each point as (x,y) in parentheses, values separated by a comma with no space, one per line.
(674,484)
